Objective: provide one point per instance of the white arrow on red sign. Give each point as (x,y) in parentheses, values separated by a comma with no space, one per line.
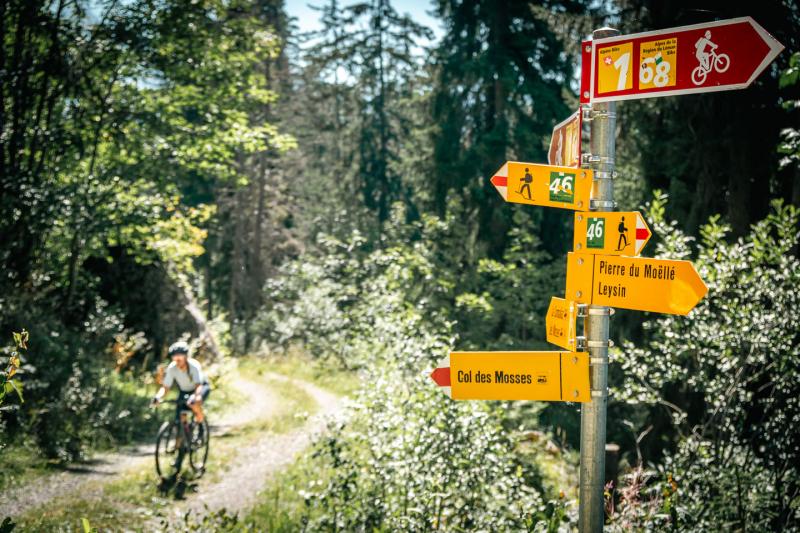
(716,56)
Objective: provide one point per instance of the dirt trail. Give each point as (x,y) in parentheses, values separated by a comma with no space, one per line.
(239,486)
(265,456)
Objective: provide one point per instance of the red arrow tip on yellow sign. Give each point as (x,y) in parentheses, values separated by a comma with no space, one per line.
(500,181)
(441,376)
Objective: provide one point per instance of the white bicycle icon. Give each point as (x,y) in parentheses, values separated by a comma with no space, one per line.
(718,62)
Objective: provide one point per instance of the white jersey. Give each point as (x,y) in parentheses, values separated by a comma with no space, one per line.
(187,379)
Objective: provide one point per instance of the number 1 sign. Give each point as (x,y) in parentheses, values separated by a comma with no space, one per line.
(716,56)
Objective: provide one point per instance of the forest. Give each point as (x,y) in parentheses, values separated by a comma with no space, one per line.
(312,212)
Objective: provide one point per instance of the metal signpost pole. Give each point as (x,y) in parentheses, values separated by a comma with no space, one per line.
(593,413)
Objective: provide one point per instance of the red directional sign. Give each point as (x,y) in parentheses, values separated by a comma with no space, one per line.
(716,56)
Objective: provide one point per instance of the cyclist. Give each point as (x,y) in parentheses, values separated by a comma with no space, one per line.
(702,56)
(193,386)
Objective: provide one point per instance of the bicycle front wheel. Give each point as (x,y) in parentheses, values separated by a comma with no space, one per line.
(198,453)
(167,449)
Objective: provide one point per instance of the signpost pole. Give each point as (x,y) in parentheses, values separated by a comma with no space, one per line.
(593,413)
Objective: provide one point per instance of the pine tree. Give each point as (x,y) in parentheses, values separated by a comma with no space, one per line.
(501,87)
(367,56)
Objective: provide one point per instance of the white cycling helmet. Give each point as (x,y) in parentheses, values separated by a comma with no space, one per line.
(179,347)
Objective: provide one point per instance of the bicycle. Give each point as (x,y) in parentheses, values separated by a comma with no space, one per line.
(718,62)
(178,438)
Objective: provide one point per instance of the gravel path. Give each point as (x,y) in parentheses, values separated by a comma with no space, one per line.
(238,489)
(88,478)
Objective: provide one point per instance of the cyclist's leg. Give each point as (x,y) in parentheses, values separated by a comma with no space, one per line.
(180,410)
(197,403)
(197,408)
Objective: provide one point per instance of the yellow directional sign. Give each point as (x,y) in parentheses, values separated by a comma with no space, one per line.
(560,322)
(657,285)
(610,233)
(547,185)
(543,376)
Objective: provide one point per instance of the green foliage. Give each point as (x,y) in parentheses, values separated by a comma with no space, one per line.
(7,382)
(728,377)
(509,311)
(642,503)
(499,89)
(206,521)
(123,122)
(69,407)
(408,457)
(789,146)
(87,526)
(369,47)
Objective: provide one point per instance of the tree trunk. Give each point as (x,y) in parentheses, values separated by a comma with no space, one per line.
(206,335)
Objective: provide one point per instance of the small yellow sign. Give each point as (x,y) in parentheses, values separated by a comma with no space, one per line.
(560,322)
(543,376)
(656,285)
(658,63)
(545,185)
(610,233)
(614,72)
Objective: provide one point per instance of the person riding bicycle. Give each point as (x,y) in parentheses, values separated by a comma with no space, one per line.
(702,56)
(192,383)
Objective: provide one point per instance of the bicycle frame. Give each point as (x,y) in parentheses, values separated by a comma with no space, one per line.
(185,445)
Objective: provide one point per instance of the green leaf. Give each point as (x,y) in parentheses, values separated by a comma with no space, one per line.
(16,386)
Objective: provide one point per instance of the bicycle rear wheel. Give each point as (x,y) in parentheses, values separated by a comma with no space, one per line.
(169,453)
(198,452)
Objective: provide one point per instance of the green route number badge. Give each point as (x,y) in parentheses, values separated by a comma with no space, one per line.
(595,233)
(561,187)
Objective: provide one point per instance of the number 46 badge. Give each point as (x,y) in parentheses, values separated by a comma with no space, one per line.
(612,233)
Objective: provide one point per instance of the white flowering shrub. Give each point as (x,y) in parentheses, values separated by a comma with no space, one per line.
(728,375)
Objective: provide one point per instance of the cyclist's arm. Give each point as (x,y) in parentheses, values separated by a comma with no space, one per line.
(161,393)
(200,380)
(166,383)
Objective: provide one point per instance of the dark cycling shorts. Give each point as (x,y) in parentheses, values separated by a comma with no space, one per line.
(183,397)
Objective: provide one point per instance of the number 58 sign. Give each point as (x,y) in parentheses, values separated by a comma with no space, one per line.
(717,56)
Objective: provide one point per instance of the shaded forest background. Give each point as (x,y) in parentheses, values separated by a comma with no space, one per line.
(201,169)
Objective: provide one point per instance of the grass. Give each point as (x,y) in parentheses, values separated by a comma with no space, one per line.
(298,365)
(20,464)
(295,408)
(133,501)
(281,506)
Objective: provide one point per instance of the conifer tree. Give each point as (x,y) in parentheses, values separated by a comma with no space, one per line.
(502,74)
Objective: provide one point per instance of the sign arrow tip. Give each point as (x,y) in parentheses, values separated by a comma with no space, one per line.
(441,376)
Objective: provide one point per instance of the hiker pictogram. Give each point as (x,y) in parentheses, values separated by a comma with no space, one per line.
(525,184)
(623,235)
